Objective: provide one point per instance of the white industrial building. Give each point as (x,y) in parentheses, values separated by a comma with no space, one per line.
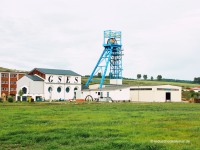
(113,92)
(157,93)
(54,84)
(50,84)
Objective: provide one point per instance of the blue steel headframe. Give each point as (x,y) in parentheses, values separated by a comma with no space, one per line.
(112,54)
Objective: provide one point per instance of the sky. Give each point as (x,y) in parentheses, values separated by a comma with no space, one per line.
(159,37)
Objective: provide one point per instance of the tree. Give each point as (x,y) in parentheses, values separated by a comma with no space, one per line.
(151,78)
(197,80)
(20,93)
(159,77)
(145,77)
(99,75)
(139,76)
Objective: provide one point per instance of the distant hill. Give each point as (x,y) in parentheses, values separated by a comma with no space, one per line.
(10,70)
(147,82)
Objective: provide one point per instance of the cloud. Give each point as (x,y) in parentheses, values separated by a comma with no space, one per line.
(159,37)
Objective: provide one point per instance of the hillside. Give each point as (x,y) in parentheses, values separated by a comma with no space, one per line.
(148,82)
(10,70)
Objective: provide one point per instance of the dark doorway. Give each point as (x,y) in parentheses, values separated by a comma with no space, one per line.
(168,96)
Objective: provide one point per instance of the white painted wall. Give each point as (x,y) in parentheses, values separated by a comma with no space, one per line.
(62,81)
(156,95)
(50,78)
(116,81)
(55,95)
(34,88)
(116,95)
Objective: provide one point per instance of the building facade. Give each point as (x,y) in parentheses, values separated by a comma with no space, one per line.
(8,82)
(50,84)
(113,92)
(157,93)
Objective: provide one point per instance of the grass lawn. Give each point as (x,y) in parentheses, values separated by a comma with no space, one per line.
(100,126)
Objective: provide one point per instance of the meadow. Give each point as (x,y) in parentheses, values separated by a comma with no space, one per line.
(99,126)
(145,82)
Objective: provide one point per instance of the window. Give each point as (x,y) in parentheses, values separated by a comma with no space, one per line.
(12,89)
(108,95)
(50,89)
(4,89)
(13,75)
(68,89)
(76,88)
(167,89)
(4,75)
(4,82)
(140,89)
(59,89)
(24,89)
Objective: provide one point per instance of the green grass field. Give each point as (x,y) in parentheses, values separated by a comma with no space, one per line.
(146,82)
(94,126)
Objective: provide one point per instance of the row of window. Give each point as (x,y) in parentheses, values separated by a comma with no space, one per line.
(59,89)
(6,89)
(167,89)
(50,89)
(6,75)
(13,89)
(140,89)
(6,82)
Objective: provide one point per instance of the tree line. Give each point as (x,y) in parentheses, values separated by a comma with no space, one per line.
(139,76)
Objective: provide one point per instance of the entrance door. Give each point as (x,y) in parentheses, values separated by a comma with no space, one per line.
(168,96)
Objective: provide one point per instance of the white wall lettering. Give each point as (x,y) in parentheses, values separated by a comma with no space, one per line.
(50,79)
(59,79)
(68,80)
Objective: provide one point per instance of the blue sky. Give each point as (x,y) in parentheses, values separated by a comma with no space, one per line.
(159,37)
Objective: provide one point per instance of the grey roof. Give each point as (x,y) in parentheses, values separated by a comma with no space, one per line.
(109,88)
(34,78)
(57,71)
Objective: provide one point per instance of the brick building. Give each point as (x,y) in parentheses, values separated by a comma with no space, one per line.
(8,82)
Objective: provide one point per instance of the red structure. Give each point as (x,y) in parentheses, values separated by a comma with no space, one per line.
(8,82)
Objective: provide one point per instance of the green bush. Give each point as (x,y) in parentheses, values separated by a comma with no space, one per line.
(1,100)
(10,99)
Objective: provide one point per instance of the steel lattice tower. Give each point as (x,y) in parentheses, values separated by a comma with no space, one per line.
(112,54)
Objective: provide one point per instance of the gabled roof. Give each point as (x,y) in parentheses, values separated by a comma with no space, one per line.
(34,78)
(57,71)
